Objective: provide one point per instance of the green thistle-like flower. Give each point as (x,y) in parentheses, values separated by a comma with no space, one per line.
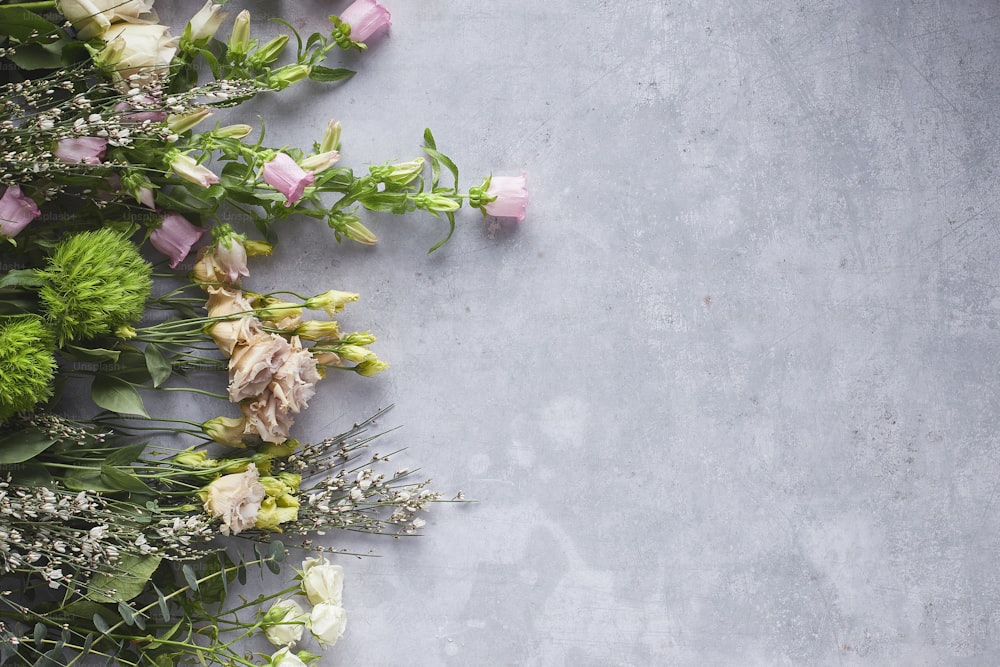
(94,283)
(27,364)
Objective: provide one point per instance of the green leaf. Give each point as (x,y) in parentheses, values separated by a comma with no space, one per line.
(125,481)
(39,634)
(23,445)
(157,364)
(101,624)
(190,577)
(327,74)
(277,551)
(25,26)
(88,479)
(21,278)
(451,230)
(39,56)
(161,601)
(116,395)
(126,455)
(127,613)
(31,475)
(91,353)
(129,578)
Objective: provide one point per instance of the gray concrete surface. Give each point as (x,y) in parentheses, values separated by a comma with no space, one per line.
(728,396)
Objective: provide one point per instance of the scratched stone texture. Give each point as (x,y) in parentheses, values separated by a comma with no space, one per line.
(729,394)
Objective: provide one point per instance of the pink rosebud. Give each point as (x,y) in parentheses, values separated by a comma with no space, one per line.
(76,150)
(287,177)
(366,17)
(511,194)
(16,211)
(174,237)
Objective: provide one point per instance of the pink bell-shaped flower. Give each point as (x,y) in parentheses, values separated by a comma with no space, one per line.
(16,211)
(511,194)
(174,237)
(287,177)
(366,17)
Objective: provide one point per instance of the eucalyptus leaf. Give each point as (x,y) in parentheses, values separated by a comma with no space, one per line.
(116,395)
(190,577)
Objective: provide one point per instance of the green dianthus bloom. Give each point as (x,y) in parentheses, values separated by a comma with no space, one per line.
(27,364)
(94,283)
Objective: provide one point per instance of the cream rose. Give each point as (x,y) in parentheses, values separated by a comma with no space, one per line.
(284,623)
(285,658)
(322,581)
(138,49)
(327,623)
(236,499)
(90,17)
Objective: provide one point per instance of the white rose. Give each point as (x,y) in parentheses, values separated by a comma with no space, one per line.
(236,499)
(322,581)
(285,658)
(327,623)
(134,49)
(284,623)
(90,17)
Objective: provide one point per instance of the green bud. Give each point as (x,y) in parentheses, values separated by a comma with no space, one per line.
(186,121)
(257,248)
(198,460)
(331,301)
(331,137)
(436,203)
(356,353)
(270,51)
(351,227)
(370,367)
(360,338)
(286,76)
(398,174)
(239,40)
(226,430)
(237,131)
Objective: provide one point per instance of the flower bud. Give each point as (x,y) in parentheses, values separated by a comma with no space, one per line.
(188,169)
(351,227)
(125,332)
(360,338)
(331,137)
(318,330)
(284,622)
(270,51)
(237,131)
(398,174)
(331,301)
(327,358)
(257,248)
(320,161)
(203,25)
(430,201)
(275,311)
(198,460)
(226,430)
(186,121)
(370,367)
(239,39)
(291,479)
(288,75)
(356,353)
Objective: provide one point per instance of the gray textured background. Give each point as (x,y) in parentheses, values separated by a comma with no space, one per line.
(728,394)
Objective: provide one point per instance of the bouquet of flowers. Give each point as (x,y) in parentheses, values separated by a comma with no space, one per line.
(116,543)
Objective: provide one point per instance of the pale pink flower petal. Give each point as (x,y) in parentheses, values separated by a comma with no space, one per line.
(174,237)
(76,150)
(511,194)
(231,258)
(366,17)
(16,211)
(284,175)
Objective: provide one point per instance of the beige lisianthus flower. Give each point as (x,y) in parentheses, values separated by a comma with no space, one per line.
(226,302)
(235,499)
(253,365)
